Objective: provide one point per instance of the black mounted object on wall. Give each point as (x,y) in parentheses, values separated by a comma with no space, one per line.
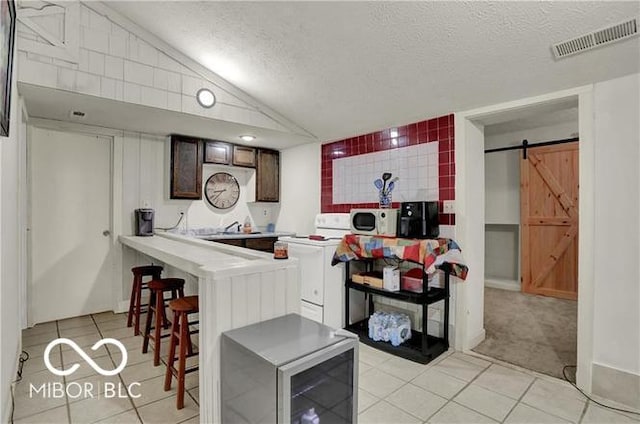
(144,222)
(8,29)
(526,145)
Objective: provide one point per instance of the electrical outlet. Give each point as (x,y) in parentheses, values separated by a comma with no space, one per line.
(448,206)
(264,212)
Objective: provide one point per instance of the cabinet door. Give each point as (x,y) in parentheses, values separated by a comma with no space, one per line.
(217,152)
(311,264)
(244,156)
(264,244)
(268,176)
(186,168)
(233,242)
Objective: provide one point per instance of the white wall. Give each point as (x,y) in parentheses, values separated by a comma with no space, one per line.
(105,59)
(299,188)
(617,225)
(12,270)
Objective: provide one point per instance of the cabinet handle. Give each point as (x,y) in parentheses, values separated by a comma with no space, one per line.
(106,233)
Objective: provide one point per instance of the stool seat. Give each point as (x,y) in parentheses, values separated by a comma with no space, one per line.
(146,269)
(135,302)
(188,304)
(166,284)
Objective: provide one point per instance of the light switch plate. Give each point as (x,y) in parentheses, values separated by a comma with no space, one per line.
(448,206)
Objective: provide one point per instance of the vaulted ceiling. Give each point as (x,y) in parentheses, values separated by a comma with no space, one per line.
(344,68)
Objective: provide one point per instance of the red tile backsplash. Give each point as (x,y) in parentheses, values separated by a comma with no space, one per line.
(437,129)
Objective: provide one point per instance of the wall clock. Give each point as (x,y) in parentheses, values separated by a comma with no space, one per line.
(222,190)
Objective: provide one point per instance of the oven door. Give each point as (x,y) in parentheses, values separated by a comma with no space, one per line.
(324,383)
(311,266)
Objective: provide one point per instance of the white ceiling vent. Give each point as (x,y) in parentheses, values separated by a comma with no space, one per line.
(597,38)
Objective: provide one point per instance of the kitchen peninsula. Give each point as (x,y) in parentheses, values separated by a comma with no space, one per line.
(236,286)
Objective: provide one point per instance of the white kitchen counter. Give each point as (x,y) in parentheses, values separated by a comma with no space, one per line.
(236,287)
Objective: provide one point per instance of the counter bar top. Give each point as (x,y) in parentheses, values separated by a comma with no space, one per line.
(201,257)
(236,287)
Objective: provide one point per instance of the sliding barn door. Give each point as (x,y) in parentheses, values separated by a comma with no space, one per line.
(549,220)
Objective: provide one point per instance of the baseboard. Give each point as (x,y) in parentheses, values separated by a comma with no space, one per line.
(6,410)
(122,306)
(477,339)
(618,385)
(497,283)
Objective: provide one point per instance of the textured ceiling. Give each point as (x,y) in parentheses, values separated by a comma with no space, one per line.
(344,68)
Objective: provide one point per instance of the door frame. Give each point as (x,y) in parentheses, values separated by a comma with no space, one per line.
(469,228)
(117,143)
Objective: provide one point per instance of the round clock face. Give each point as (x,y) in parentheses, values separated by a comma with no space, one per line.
(222,190)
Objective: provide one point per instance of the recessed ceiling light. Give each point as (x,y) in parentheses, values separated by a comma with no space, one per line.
(247,137)
(206,98)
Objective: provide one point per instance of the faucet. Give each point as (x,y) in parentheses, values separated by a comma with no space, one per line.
(228,227)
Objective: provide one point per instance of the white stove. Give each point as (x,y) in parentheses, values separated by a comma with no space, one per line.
(322,285)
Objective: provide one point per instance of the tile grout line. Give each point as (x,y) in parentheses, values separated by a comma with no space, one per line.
(584,410)
(429,366)
(460,391)
(520,399)
(543,411)
(119,376)
(64,378)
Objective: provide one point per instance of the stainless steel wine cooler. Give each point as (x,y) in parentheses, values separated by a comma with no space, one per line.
(289,370)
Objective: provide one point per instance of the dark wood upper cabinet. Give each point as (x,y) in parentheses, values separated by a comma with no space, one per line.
(217,152)
(186,168)
(244,156)
(268,176)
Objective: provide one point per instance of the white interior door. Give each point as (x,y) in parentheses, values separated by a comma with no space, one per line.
(70,239)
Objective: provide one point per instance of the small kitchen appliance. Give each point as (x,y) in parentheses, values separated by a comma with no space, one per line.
(289,370)
(144,222)
(374,222)
(418,220)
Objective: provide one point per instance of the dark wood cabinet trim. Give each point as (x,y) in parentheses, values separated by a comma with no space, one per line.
(263,244)
(239,152)
(211,149)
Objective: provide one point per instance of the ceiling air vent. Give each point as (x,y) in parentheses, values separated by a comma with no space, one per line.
(597,38)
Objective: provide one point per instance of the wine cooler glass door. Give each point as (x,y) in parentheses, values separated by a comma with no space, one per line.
(321,387)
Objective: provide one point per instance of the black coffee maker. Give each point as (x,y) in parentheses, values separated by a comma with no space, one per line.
(144,222)
(418,220)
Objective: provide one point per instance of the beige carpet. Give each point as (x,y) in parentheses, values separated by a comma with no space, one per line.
(534,332)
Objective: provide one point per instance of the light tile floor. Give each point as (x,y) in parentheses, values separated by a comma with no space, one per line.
(454,388)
